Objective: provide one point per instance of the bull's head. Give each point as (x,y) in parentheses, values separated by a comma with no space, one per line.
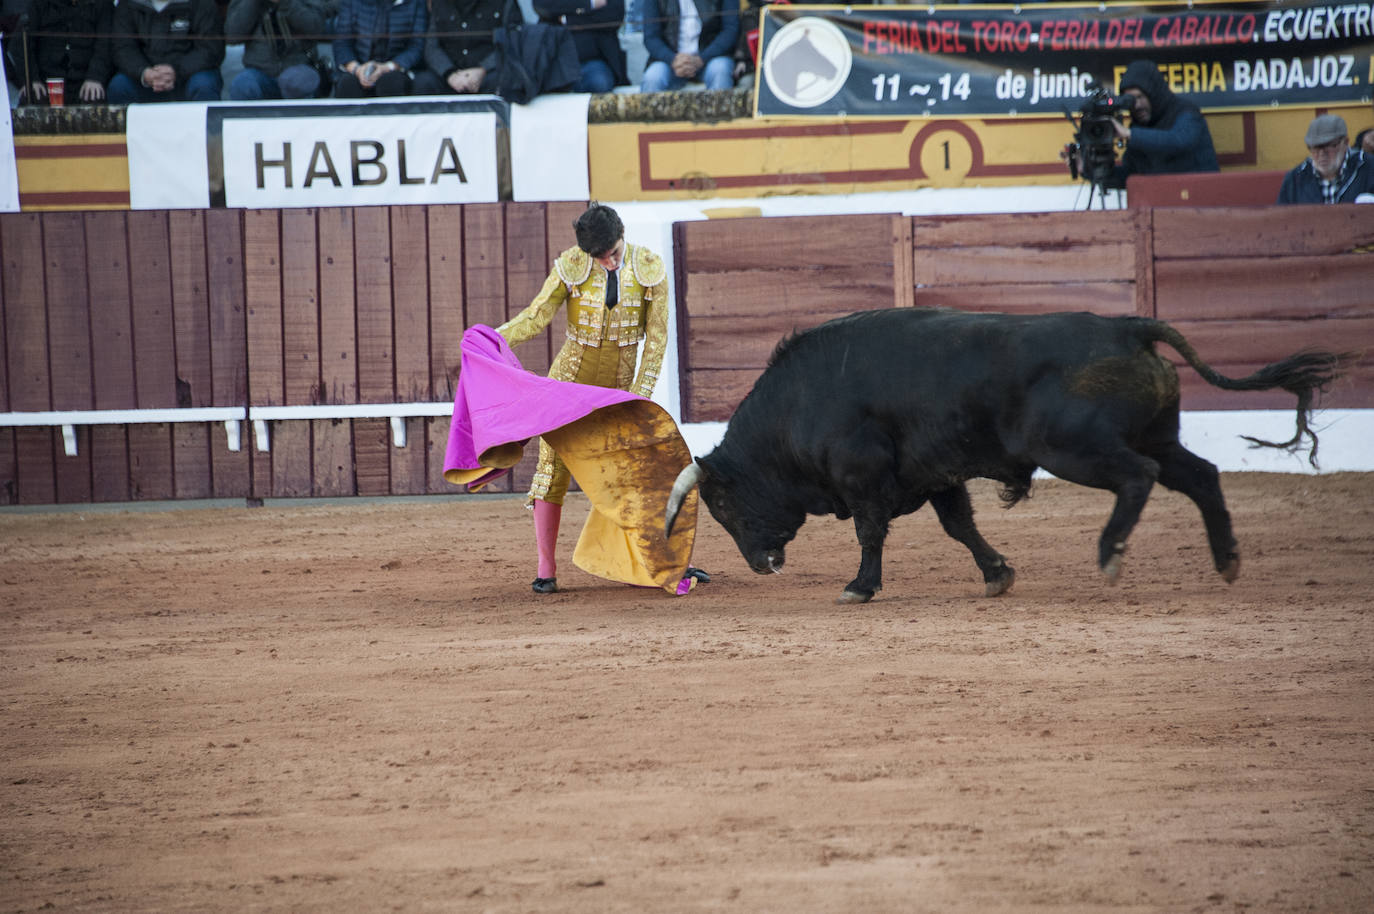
(760,524)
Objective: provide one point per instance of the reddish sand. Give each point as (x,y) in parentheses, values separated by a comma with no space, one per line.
(362,707)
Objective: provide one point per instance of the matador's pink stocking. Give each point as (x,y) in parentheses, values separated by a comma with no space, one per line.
(546,519)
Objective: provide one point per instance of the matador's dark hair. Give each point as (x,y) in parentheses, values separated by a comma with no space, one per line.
(599,229)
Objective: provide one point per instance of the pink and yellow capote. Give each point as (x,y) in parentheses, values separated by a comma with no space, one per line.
(624,451)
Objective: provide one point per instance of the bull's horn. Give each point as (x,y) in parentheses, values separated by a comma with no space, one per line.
(686,481)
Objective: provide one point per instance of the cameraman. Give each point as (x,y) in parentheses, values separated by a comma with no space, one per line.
(1168,134)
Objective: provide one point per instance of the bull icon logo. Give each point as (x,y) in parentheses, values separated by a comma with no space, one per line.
(807,62)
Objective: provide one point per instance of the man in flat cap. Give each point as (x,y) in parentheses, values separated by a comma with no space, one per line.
(1333,172)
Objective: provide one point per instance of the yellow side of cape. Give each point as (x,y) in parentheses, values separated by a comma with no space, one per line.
(626,458)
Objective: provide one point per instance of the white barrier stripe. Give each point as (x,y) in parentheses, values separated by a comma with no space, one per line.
(124,416)
(231,416)
(226,413)
(350,411)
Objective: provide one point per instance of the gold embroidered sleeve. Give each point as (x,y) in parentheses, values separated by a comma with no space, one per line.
(531,322)
(655,337)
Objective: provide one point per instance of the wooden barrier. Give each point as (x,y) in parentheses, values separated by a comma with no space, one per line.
(1247,285)
(158,311)
(744,284)
(1250,285)
(336,309)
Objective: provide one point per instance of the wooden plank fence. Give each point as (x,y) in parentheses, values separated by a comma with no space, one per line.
(1246,285)
(270,310)
(171,310)
(744,284)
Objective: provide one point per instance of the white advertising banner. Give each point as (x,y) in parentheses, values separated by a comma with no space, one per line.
(548,148)
(167,165)
(326,152)
(9,173)
(275,162)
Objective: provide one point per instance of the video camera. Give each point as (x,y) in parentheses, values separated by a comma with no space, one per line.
(1094,138)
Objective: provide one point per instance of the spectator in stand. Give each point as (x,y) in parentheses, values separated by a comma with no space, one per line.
(690,41)
(67,40)
(279,38)
(747,46)
(595,28)
(378,44)
(460,53)
(1332,172)
(1364,141)
(1167,135)
(166,51)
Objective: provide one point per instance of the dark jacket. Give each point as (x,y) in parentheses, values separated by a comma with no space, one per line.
(257,23)
(535,59)
(1175,141)
(595,32)
(185,34)
(719,28)
(1301,185)
(461,35)
(80,49)
(381,30)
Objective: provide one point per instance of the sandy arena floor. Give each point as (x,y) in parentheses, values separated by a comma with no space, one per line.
(362,707)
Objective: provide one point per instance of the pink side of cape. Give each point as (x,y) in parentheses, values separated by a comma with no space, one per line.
(498,402)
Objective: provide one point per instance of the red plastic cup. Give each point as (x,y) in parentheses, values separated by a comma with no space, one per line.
(57,92)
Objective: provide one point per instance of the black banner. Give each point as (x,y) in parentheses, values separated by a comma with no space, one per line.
(953,61)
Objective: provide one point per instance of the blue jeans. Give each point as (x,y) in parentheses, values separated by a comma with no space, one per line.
(204,86)
(596,77)
(719,73)
(296,81)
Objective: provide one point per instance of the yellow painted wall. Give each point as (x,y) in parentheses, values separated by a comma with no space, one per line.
(766,157)
(72,172)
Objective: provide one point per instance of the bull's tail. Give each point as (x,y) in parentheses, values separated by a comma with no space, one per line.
(1303,374)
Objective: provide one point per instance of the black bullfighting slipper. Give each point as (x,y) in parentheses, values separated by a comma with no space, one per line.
(545,585)
(697,573)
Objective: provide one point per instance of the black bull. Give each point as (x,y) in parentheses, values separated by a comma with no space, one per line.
(872,415)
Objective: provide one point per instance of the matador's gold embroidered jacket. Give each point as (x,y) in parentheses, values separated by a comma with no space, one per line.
(641,314)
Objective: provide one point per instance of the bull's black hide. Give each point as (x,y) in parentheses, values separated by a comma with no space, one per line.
(872,415)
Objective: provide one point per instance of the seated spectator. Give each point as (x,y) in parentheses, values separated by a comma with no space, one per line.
(276,62)
(747,46)
(1364,141)
(460,53)
(68,41)
(690,41)
(1167,135)
(166,50)
(1332,172)
(595,28)
(377,45)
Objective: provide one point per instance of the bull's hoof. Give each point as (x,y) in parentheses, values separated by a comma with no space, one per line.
(1112,569)
(853,596)
(1002,583)
(1231,570)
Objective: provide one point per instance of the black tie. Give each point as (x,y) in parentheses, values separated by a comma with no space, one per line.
(612,288)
